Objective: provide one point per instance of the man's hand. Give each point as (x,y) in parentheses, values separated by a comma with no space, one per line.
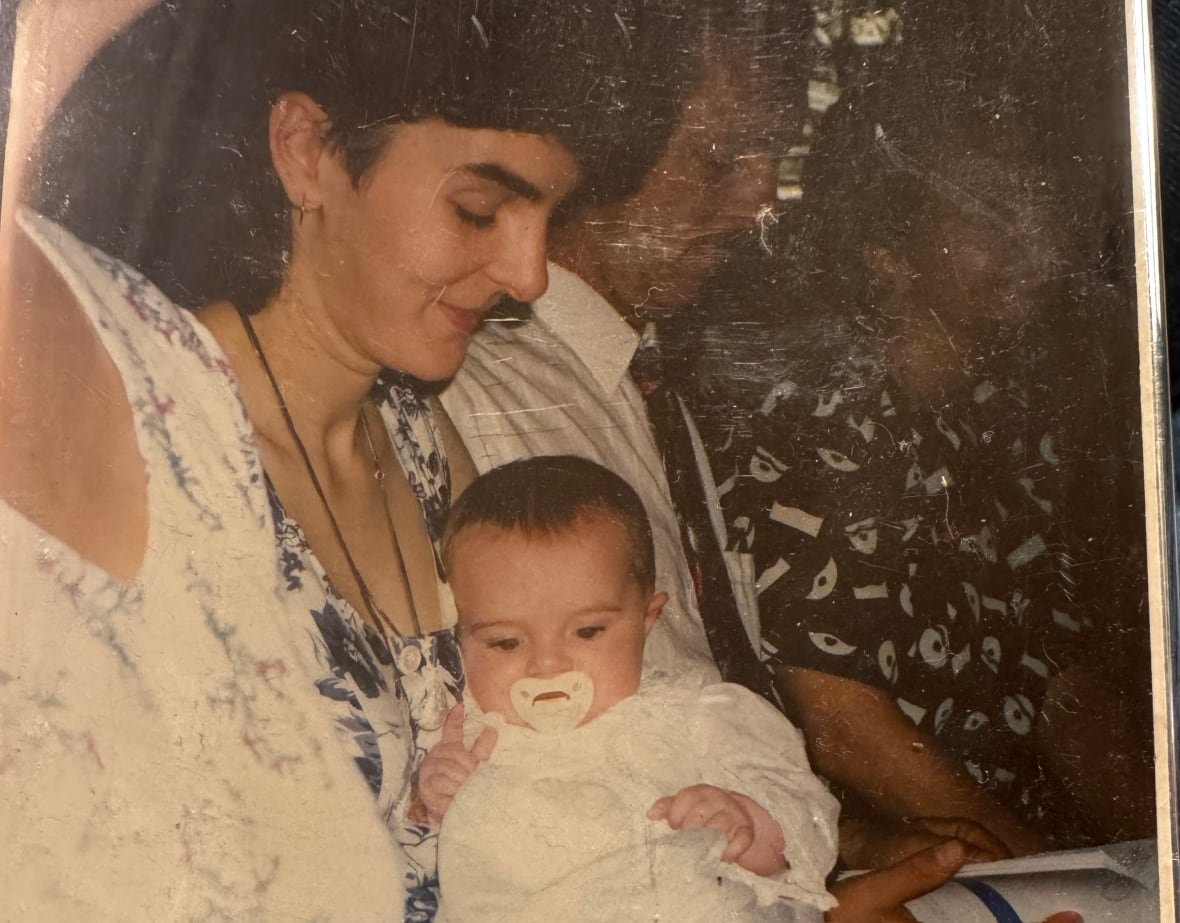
(753,839)
(878,843)
(448,764)
(881,896)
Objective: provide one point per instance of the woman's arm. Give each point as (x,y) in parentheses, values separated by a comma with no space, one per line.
(859,739)
(54,41)
(69,460)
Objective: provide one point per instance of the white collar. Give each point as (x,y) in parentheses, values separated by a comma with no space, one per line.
(588,324)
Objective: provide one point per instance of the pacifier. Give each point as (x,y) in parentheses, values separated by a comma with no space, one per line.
(553,704)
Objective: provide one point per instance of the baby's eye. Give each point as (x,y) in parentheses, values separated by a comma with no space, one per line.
(477,219)
(505,644)
(590,631)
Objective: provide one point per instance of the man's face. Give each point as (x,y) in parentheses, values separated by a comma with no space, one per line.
(717,177)
(538,607)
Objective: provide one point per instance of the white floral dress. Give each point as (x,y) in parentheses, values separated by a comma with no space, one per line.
(221,738)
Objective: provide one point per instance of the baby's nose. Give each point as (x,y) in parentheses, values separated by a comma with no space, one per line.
(549,661)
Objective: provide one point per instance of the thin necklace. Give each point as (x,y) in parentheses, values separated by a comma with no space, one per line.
(379,615)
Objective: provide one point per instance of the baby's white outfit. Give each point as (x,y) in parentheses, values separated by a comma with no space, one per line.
(554,826)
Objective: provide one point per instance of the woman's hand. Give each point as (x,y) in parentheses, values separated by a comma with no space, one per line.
(449,764)
(881,896)
(753,839)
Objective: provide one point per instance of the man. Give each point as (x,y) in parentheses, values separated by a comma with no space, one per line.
(561,382)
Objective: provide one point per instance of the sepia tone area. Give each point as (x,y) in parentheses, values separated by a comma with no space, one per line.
(321,321)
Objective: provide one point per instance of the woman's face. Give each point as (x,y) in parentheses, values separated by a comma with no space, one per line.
(403,266)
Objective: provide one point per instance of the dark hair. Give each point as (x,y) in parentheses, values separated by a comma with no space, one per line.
(159,154)
(550,495)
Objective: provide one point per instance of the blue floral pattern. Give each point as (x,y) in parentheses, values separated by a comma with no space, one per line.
(391,697)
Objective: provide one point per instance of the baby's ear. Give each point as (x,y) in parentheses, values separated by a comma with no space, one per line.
(654,607)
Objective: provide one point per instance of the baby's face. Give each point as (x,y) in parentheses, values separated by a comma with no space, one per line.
(542,606)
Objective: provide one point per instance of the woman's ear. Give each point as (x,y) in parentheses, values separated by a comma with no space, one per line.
(887,268)
(297,148)
(654,607)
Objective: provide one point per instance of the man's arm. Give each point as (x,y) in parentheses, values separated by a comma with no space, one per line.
(859,739)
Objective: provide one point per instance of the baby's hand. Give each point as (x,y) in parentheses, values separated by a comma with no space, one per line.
(753,839)
(449,763)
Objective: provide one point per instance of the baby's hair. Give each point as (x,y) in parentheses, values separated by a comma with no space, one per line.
(549,495)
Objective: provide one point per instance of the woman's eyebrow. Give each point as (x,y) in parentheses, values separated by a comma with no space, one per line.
(513,182)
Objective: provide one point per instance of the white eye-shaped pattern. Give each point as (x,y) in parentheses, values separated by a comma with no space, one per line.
(990,653)
(975,721)
(932,646)
(824,582)
(765,467)
(1018,712)
(863,535)
(913,477)
(887,661)
(905,599)
(830,644)
(943,713)
(826,405)
(837,460)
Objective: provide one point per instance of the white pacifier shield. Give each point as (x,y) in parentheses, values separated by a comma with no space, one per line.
(553,704)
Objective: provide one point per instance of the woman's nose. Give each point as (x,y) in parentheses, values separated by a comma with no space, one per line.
(518,267)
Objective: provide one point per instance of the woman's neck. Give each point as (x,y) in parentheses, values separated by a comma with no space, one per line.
(322,383)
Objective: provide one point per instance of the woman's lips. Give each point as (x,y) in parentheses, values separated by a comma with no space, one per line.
(465,320)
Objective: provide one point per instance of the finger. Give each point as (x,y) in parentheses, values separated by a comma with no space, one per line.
(974,835)
(452,729)
(682,805)
(443,784)
(710,817)
(451,758)
(917,875)
(741,838)
(659,809)
(485,743)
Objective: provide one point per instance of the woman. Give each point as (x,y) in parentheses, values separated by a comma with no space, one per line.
(222,597)
(939,507)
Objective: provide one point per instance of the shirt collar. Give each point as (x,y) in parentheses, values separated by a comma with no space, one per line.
(586,322)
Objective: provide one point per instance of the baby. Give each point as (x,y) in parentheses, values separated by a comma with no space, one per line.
(570,787)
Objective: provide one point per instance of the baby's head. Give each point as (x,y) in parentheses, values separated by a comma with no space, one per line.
(553,569)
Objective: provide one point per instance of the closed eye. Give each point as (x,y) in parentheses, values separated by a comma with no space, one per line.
(505,644)
(475,219)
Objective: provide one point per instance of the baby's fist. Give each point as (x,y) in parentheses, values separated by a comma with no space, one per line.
(710,807)
(753,839)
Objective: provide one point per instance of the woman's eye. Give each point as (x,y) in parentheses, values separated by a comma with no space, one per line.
(505,644)
(475,219)
(590,631)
